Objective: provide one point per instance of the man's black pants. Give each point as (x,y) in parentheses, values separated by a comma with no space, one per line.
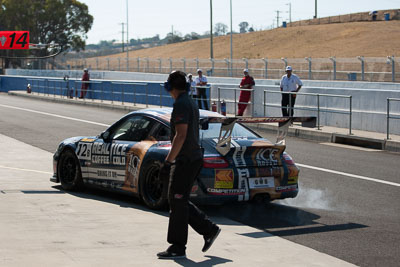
(288,102)
(202,95)
(182,211)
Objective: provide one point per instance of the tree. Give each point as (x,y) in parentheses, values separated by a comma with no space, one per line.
(243,26)
(220,28)
(65,22)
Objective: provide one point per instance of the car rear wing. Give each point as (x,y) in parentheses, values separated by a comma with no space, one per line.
(225,135)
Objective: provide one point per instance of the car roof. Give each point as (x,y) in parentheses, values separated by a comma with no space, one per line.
(165,113)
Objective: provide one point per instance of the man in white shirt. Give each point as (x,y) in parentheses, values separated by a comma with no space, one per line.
(201,81)
(193,90)
(289,83)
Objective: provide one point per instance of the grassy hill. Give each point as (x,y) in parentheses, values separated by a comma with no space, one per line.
(369,39)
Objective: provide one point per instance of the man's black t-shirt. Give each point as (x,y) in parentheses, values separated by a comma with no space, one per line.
(186,111)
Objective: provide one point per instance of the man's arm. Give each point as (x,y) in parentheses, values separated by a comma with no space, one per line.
(178,141)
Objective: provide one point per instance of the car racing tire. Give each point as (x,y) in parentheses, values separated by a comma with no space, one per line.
(151,187)
(69,171)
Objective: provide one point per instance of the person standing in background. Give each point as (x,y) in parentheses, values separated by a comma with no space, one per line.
(289,83)
(201,81)
(193,90)
(246,83)
(85,84)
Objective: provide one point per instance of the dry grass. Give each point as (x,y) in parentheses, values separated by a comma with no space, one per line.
(369,39)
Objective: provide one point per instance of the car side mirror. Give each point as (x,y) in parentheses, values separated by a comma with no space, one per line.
(105,135)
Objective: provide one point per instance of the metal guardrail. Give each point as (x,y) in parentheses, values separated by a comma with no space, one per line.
(236,102)
(317,108)
(388,117)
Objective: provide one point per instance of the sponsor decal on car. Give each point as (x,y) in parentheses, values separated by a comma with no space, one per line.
(226,192)
(261,182)
(224,178)
(243,183)
(286,188)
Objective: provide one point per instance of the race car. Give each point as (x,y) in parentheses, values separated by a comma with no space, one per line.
(238,164)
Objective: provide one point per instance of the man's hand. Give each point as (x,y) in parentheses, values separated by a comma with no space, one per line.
(165,170)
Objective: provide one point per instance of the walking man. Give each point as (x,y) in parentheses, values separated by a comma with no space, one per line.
(182,164)
(246,83)
(201,81)
(289,83)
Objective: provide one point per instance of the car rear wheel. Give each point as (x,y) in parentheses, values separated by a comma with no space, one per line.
(151,187)
(69,171)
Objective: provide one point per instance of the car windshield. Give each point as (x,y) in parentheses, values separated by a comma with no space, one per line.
(238,131)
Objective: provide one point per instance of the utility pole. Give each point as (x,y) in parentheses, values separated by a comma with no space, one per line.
(231,44)
(277,18)
(290,12)
(123,43)
(315,9)
(211,32)
(127,38)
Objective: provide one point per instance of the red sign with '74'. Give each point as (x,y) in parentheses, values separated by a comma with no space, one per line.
(14,40)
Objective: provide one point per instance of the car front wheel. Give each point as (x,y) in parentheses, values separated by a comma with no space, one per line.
(151,187)
(69,171)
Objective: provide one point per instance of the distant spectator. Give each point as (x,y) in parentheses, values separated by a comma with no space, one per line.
(201,81)
(193,91)
(289,83)
(246,83)
(85,84)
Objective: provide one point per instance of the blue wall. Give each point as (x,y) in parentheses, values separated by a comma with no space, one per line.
(133,92)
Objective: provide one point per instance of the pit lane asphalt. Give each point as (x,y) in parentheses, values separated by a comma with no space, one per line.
(351,219)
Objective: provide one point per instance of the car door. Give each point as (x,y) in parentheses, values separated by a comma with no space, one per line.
(111,156)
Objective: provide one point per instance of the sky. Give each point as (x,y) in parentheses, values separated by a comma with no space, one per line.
(146,18)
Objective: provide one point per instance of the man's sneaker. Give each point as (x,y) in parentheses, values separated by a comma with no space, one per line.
(171,255)
(209,239)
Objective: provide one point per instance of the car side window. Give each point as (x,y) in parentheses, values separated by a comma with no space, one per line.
(163,133)
(135,128)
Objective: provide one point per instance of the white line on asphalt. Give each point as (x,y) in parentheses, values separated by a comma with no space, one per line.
(55,115)
(27,170)
(348,174)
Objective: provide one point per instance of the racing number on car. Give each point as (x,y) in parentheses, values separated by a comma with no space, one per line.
(84,151)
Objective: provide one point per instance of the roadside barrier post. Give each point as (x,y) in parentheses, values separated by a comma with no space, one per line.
(108,64)
(265,68)
(391,61)
(227,66)
(318,108)
(387,118)
(119,64)
(361,58)
(138,64)
(351,104)
(309,67)
(170,64)
(160,67)
(333,59)
(184,64)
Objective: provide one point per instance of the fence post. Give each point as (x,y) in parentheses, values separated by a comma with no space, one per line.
(184,64)
(265,100)
(309,67)
(147,64)
(119,64)
(212,66)
(318,114)
(387,118)
(161,88)
(108,64)
(266,67)
(284,60)
(247,62)
(391,60)
(219,100)
(160,65)
(197,63)
(227,66)
(97,63)
(138,64)
(361,58)
(351,100)
(170,64)
(333,59)
(127,64)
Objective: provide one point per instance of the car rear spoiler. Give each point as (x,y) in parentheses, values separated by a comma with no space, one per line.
(225,135)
